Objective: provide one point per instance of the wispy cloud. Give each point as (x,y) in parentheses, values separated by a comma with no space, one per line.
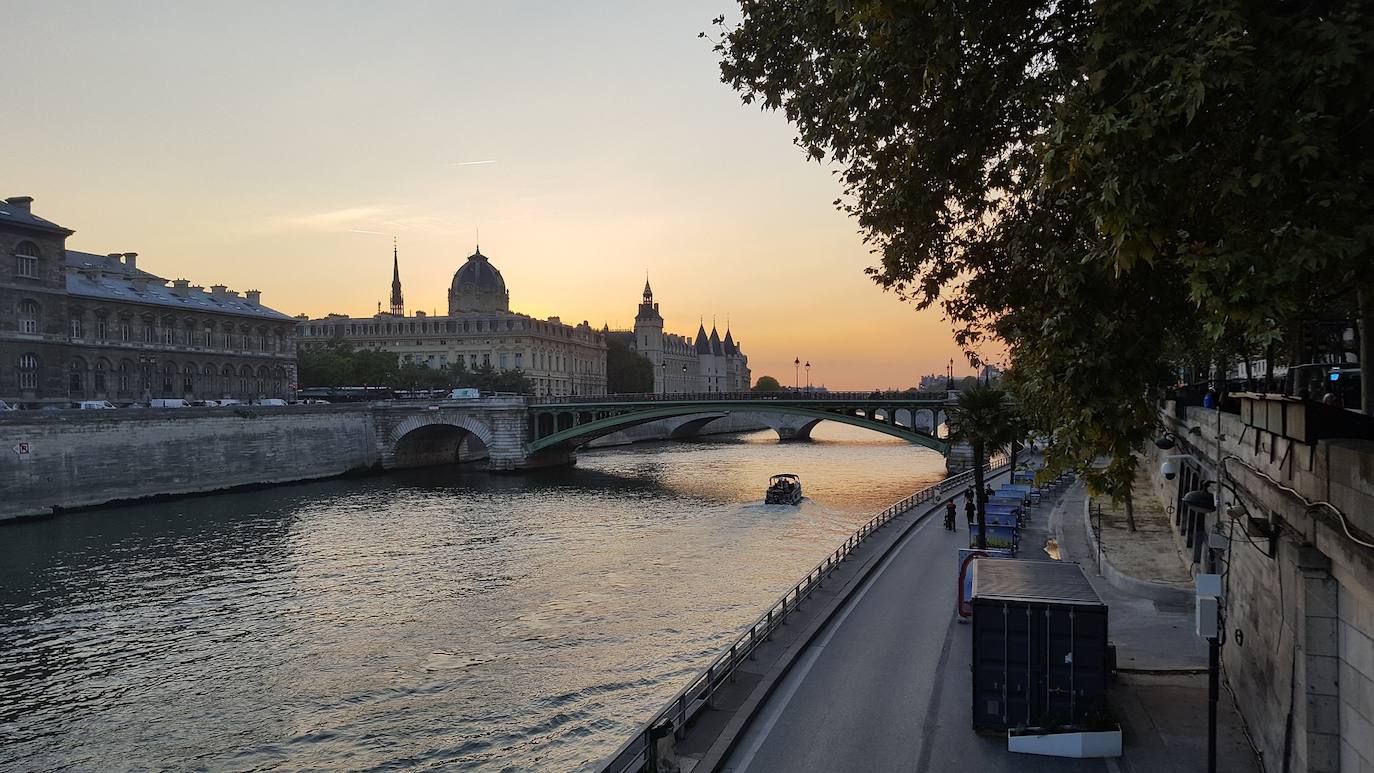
(473,163)
(375,220)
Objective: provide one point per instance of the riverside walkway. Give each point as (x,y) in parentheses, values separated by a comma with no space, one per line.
(885,684)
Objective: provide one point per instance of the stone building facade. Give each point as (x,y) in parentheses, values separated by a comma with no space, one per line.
(706,363)
(79,326)
(479,330)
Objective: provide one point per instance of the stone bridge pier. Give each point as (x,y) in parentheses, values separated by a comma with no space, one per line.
(493,431)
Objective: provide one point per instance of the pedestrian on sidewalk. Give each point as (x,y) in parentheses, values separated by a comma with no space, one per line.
(970,512)
(949,516)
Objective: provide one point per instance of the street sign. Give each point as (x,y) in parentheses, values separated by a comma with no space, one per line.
(23,450)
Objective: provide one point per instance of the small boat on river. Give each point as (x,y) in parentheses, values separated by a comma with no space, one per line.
(783,489)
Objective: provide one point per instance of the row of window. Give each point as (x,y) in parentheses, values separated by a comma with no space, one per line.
(436,327)
(126,378)
(26,257)
(167,333)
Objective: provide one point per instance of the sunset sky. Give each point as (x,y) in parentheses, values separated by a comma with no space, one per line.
(279,146)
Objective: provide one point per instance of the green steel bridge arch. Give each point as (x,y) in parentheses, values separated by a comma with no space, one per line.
(566,425)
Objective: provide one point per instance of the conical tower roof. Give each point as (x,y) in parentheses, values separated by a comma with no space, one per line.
(730,347)
(716,347)
(703,342)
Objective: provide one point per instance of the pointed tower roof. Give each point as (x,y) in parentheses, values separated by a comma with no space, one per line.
(729,342)
(703,343)
(716,347)
(398,304)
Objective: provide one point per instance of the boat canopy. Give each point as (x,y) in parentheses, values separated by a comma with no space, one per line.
(786,475)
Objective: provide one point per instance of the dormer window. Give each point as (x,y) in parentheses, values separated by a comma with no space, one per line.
(26,257)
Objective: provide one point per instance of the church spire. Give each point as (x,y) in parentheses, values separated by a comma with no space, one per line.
(398,304)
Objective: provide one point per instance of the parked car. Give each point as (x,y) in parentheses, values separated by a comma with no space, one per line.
(269,401)
(169,402)
(227,403)
(204,403)
(315,401)
(4,406)
(466,393)
(95,405)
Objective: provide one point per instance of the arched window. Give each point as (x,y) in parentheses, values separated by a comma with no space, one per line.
(125,368)
(188,379)
(169,376)
(208,387)
(76,326)
(26,257)
(76,377)
(246,381)
(98,378)
(28,317)
(278,382)
(261,384)
(28,372)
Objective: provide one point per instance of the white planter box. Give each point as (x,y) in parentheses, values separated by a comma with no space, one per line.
(1079,745)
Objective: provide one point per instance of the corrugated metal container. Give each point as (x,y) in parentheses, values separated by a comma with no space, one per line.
(1039,644)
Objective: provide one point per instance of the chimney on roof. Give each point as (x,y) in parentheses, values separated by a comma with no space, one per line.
(115,257)
(231,293)
(253,296)
(131,259)
(217,291)
(21,203)
(180,287)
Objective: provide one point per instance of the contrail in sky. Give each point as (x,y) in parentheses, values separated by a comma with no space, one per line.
(361,231)
(473,163)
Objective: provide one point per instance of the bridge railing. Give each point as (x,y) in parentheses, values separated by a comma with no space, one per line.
(653,397)
(698,695)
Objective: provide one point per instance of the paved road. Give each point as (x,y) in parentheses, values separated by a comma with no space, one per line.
(886,686)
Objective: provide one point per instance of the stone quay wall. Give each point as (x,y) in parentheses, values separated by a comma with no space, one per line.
(1298,650)
(73,459)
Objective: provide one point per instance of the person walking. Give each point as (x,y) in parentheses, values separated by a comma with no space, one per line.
(970,512)
(949,516)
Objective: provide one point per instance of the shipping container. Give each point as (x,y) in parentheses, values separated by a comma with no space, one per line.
(1039,645)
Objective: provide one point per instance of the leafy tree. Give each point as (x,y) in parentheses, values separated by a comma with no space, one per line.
(374,368)
(416,376)
(1106,187)
(627,371)
(328,366)
(982,418)
(767,384)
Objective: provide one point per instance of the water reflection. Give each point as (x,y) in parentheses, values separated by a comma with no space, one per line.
(423,617)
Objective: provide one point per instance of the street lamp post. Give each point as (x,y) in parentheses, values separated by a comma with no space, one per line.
(663,374)
(796,374)
(808,376)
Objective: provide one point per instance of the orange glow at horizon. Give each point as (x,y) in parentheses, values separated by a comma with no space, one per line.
(588,148)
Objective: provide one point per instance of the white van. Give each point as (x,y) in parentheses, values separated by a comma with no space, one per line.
(227,403)
(270,401)
(171,402)
(464,394)
(95,405)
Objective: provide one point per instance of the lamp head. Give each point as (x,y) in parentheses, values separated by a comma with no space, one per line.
(1166,443)
(1200,499)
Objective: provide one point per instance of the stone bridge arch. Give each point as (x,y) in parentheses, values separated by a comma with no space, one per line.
(437,437)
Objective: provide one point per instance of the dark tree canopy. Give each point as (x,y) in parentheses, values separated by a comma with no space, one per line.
(626,371)
(767,384)
(1107,188)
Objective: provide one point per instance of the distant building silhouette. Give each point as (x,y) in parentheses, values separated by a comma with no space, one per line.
(705,363)
(479,330)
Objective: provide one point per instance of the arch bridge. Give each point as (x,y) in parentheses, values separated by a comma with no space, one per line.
(561,424)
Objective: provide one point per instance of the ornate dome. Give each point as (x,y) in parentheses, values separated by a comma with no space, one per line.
(478,286)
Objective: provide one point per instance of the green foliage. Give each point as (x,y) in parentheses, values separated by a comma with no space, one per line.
(626,371)
(1107,188)
(338,364)
(767,384)
(985,419)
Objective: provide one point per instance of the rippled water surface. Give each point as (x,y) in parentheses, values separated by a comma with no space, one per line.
(432,618)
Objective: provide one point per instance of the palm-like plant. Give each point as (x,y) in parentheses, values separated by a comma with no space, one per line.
(982,418)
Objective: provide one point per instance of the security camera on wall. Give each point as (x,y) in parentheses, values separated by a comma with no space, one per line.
(1169,470)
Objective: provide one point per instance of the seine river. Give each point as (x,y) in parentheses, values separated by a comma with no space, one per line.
(426,619)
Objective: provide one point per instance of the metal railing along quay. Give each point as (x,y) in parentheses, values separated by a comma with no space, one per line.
(674,717)
(786,395)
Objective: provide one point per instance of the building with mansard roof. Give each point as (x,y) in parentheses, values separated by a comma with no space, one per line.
(479,330)
(704,363)
(80,326)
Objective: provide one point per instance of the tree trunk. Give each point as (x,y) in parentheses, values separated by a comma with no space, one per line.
(1365,327)
(979,497)
(1130,512)
(1012,454)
